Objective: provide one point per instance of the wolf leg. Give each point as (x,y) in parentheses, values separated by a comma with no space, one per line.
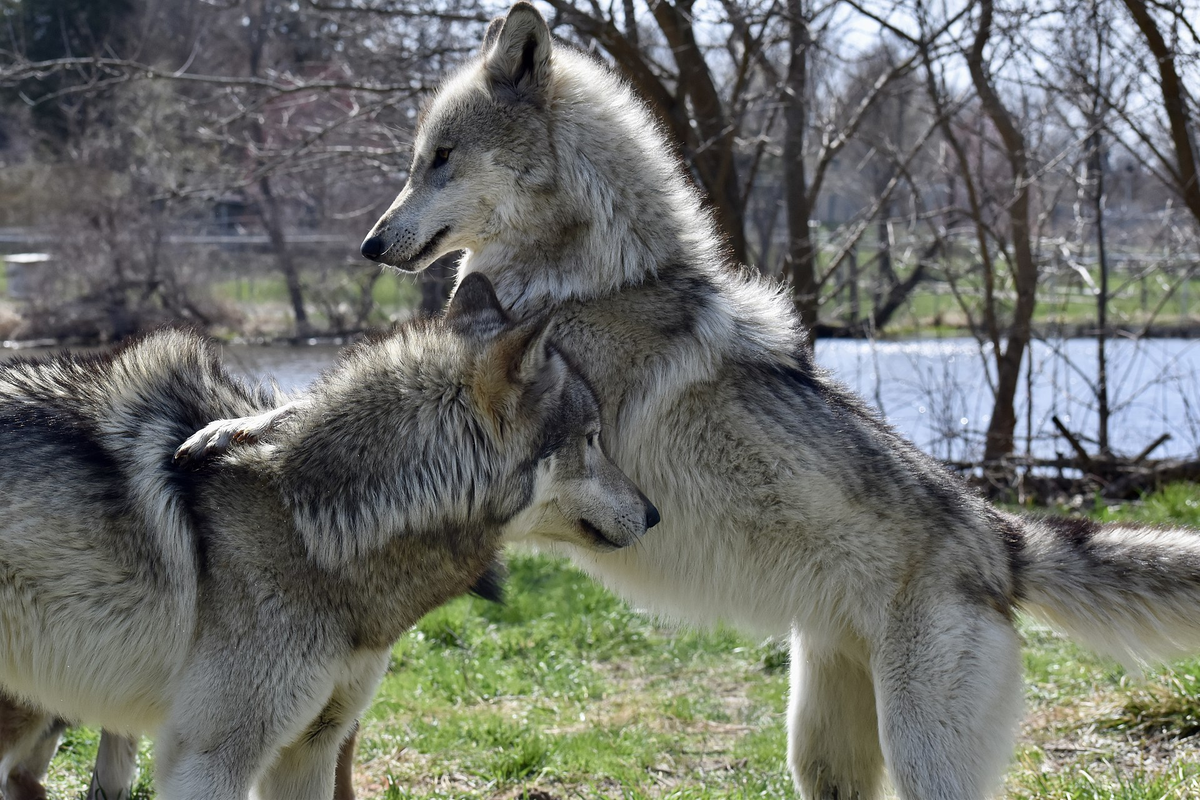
(116,766)
(833,738)
(28,740)
(189,772)
(306,769)
(343,785)
(216,437)
(948,682)
(217,738)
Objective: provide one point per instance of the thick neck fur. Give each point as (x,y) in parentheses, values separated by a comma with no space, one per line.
(619,210)
(390,446)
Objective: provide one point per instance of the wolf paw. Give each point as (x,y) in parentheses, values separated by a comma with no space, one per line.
(217,437)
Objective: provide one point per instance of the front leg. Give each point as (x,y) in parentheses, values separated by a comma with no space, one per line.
(833,736)
(308,768)
(216,437)
(319,763)
(236,708)
(343,784)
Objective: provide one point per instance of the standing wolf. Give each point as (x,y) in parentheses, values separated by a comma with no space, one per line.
(245,611)
(787,504)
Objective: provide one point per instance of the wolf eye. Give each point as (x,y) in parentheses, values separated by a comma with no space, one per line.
(440,157)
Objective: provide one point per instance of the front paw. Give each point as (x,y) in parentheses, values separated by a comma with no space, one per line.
(215,439)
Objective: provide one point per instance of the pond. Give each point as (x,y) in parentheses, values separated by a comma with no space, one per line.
(936,391)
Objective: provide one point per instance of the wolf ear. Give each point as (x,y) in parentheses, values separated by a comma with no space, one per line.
(541,368)
(493,33)
(517,54)
(474,308)
(520,367)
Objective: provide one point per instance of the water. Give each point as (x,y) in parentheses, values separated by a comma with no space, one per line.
(936,391)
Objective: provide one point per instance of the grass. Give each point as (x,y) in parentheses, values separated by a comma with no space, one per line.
(395,295)
(564,692)
(1064,298)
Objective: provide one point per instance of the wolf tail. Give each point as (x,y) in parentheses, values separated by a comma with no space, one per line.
(1127,591)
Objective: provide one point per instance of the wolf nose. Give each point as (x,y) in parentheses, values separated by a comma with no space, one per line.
(652,517)
(373,248)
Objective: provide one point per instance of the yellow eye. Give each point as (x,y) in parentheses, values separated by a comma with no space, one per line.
(440,156)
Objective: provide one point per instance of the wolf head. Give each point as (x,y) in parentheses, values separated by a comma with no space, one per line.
(541,164)
(471,421)
(579,495)
(482,142)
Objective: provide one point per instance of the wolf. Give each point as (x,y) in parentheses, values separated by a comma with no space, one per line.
(244,610)
(789,506)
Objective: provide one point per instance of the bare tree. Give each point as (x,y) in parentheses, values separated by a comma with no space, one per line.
(1178,104)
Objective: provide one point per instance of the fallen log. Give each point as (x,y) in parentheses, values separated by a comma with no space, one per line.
(1054,481)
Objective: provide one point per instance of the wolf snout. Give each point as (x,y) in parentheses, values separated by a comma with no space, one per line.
(373,248)
(652,516)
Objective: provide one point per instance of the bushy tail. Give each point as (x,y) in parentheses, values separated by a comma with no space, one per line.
(1127,591)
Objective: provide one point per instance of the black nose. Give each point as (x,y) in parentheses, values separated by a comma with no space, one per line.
(652,517)
(373,248)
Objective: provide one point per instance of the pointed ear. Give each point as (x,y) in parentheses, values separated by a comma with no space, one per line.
(493,33)
(541,369)
(518,60)
(519,368)
(474,309)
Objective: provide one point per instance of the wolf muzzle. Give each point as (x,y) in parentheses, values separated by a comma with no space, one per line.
(373,248)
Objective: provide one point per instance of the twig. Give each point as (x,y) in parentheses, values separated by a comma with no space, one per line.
(1070,437)
(1150,448)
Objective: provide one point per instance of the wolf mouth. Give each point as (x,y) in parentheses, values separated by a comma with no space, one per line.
(425,252)
(594,532)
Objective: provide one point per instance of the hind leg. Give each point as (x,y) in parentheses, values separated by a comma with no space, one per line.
(833,737)
(28,740)
(343,784)
(948,682)
(116,767)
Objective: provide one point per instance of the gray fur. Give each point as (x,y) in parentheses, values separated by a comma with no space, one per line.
(243,611)
(788,505)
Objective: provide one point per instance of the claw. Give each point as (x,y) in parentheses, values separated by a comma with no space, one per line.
(216,437)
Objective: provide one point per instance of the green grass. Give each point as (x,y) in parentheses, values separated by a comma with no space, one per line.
(394,294)
(3,277)
(564,692)
(1064,298)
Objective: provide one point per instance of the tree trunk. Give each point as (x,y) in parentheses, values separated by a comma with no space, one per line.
(1002,427)
(1175,104)
(706,132)
(269,212)
(801,254)
(1096,168)
(713,154)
